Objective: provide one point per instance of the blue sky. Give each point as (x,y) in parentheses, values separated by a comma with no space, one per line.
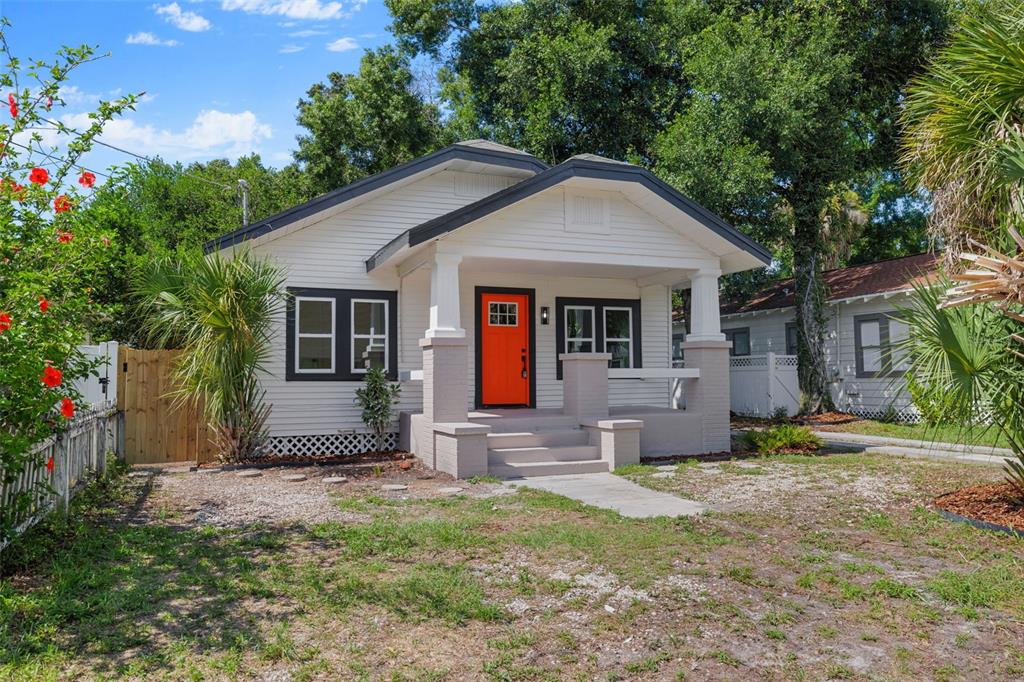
(221,77)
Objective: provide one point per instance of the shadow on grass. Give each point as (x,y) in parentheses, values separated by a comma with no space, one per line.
(125,595)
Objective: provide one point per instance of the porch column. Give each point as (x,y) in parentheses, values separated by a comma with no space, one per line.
(705,316)
(446,440)
(706,349)
(444,296)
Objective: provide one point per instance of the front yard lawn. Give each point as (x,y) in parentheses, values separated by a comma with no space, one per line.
(809,568)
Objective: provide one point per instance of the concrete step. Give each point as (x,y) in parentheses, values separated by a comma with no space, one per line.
(530,439)
(525,423)
(562,453)
(523,470)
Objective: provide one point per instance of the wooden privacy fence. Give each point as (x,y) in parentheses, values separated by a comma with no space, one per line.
(77,453)
(156,428)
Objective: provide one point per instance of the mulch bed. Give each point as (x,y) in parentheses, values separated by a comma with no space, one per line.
(386,460)
(992,503)
(825,419)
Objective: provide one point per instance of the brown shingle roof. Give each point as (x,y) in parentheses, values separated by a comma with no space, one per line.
(894,274)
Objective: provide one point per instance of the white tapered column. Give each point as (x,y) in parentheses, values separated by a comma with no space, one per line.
(705,320)
(444,297)
(706,349)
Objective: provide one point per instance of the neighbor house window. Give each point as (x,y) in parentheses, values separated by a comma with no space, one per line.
(602,325)
(876,338)
(314,335)
(740,340)
(369,335)
(579,329)
(338,334)
(791,338)
(618,336)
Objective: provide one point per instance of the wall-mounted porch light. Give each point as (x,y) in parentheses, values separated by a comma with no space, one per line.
(545,314)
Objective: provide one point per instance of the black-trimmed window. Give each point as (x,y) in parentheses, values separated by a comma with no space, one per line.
(740,338)
(876,339)
(599,325)
(791,342)
(338,334)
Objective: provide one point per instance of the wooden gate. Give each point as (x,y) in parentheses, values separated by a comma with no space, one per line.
(156,429)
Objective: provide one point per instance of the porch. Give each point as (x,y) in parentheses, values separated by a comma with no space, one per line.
(569,394)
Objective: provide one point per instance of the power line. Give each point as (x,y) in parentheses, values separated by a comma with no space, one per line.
(56,160)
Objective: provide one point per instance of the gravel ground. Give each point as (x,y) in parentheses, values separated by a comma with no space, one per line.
(228,499)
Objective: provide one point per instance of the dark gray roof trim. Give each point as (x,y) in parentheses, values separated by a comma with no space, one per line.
(360,187)
(583,168)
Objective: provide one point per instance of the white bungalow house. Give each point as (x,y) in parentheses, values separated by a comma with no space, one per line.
(525,309)
(864,327)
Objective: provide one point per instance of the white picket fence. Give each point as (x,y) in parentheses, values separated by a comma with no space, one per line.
(761,384)
(79,453)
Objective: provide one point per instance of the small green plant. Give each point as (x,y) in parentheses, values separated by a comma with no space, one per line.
(782,438)
(378,398)
(780,414)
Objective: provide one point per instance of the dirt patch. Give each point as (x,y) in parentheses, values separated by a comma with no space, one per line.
(994,503)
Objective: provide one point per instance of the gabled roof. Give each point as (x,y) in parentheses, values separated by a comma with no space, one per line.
(894,274)
(480,151)
(582,166)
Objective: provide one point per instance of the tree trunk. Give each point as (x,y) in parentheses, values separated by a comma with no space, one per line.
(811,316)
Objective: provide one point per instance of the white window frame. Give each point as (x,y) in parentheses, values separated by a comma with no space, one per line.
(629,339)
(299,335)
(593,328)
(515,311)
(386,336)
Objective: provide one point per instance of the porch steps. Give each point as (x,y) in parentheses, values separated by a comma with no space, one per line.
(533,421)
(532,439)
(547,468)
(534,455)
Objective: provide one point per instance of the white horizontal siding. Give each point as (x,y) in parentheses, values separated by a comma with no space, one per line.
(767,330)
(331,254)
(540,222)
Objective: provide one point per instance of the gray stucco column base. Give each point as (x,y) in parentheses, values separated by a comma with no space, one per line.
(619,440)
(709,395)
(445,439)
(585,384)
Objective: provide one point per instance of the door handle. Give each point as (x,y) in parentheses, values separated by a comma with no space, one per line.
(523,358)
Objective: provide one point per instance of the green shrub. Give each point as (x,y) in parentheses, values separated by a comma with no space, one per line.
(782,438)
(378,398)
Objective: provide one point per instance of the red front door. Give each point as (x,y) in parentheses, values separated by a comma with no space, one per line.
(504,349)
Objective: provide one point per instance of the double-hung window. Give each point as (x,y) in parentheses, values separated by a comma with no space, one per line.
(740,340)
(877,338)
(369,335)
(618,336)
(599,325)
(579,329)
(791,341)
(339,334)
(314,335)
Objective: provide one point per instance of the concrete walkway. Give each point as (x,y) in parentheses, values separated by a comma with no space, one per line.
(981,454)
(608,491)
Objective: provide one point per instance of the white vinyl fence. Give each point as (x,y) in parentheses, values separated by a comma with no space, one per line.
(78,453)
(101,386)
(761,384)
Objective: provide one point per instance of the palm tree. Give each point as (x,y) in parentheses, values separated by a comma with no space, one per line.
(964,126)
(964,143)
(219,312)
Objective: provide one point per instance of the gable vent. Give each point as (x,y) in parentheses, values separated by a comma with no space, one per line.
(479,185)
(586,213)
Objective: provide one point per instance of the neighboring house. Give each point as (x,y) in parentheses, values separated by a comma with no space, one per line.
(525,309)
(863,329)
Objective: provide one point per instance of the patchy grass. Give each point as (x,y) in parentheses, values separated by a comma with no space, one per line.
(811,567)
(926,432)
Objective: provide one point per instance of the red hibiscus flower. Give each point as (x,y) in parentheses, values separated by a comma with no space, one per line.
(52,377)
(64,237)
(13,105)
(49,103)
(5,322)
(39,176)
(44,305)
(62,204)
(67,408)
(87,179)
(49,465)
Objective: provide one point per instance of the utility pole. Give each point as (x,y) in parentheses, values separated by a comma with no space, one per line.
(243,187)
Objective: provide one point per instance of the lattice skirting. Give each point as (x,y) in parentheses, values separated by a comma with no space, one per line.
(906,415)
(328,444)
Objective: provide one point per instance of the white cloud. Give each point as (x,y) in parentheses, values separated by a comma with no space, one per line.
(295,9)
(307,33)
(146,38)
(343,45)
(186,21)
(212,133)
(291,49)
